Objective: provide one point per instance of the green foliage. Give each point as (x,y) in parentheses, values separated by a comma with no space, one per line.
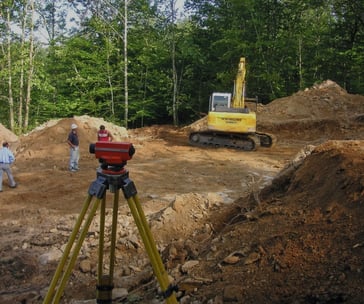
(289,45)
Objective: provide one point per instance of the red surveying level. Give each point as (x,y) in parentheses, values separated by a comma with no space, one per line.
(112,153)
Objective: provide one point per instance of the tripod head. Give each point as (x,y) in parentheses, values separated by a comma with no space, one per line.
(112,155)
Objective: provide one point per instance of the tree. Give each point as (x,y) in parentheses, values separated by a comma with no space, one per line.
(126,87)
(7,6)
(31,66)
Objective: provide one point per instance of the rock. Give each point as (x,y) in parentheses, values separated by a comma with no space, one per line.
(85,266)
(186,267)
(232,259)
(218,300)
(119,293)
(252,258)
(93,301)
(51,256)
(232,293)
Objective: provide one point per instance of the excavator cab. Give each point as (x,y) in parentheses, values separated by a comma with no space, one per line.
(220,102)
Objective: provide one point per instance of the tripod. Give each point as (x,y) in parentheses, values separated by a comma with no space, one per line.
(114,179)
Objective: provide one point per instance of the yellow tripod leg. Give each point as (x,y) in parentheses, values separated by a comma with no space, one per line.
(105,282)
(151,248)
(148,235)
(67,250)
(76,250)
(77,247)
(101,240)
(113,234)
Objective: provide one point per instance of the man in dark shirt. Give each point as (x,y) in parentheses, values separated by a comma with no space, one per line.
(73,142)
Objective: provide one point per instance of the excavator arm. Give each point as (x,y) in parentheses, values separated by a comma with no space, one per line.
(239,86)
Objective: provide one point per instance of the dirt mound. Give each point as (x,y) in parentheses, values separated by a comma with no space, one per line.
(324,111)
(326,101)
(50,139)
(341,161)
(8,136)
(301,242)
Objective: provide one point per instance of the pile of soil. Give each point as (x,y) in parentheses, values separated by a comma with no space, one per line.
(277,225)
(322,112)
(301,241)
(8,136)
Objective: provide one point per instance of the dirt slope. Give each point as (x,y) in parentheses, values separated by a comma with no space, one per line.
(301,242)
(279,225)
(323,112)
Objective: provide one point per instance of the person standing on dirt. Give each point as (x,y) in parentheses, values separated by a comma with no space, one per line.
(103,134)
(74,143)
(6,159)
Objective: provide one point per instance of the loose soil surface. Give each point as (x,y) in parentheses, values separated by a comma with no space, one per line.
(277,225)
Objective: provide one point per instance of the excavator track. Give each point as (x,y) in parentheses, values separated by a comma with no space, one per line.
(246,142)
(266,140)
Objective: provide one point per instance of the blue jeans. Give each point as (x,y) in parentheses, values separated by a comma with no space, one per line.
(74,158)
(6,168)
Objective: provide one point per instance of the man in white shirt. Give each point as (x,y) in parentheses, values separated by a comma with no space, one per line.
(6,159)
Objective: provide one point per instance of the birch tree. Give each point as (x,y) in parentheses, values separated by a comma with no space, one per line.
(8,8)
(30,66)
(126,88)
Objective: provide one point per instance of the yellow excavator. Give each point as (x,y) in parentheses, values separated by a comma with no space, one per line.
(230,123)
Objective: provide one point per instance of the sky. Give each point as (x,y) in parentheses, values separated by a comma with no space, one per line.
(179,4)
(42,35)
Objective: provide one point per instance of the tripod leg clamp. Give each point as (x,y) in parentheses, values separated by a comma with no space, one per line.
(169,291)
(129,188)
(98,187)
(104,294)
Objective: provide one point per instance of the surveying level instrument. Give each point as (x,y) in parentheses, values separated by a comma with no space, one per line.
(112,176)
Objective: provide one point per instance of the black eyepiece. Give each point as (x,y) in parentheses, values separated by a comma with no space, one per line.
(92,148)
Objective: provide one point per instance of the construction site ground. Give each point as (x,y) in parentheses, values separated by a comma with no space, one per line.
(278,225)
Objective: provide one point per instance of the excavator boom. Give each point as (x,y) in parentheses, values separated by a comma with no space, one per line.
(238,101)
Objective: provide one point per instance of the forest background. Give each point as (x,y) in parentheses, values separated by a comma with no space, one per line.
(143,62)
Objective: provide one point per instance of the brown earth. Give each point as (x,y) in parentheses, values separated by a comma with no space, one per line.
(278,225)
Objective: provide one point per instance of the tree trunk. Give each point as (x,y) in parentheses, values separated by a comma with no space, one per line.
(300,71)
(174,69)
(22,67)
(10,84)
(31,67)
(109,79)
(126,92)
